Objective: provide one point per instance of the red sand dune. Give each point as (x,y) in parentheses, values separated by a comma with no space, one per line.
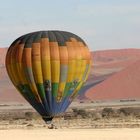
(123,85)
(115,58)
(112,61)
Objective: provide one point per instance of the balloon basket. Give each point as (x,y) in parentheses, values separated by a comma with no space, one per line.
(49,122)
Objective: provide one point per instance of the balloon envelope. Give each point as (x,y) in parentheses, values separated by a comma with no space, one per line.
(48,68)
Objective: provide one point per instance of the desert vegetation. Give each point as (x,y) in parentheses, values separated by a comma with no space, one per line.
(105,117)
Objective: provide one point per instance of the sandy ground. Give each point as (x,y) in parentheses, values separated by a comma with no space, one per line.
(15,124)
(71,134)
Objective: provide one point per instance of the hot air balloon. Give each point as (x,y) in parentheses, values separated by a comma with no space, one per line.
(48,68)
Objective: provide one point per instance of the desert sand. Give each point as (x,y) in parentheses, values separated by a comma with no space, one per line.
(71,134)
(94,121)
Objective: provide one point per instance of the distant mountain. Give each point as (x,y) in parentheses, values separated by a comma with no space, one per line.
(122,85)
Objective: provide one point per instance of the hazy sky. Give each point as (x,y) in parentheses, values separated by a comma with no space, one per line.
(103,24)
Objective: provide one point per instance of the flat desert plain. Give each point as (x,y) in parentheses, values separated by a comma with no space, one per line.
(71,134)
(82,121)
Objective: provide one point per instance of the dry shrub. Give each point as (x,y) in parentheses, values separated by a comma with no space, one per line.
(80,112)
(69,116)
(130,111)
(28,115)
(108,112)
(96,115)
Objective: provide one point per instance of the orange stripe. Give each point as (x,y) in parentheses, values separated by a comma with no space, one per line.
(63,55)
(36,52)
(71,51)
(45,49)
(83,50)
(19,53)
(54,50)
(13,64)
(27,57)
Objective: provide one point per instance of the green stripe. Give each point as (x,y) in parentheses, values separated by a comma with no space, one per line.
(40,88)
(55,89)
(71,87)
(67,87)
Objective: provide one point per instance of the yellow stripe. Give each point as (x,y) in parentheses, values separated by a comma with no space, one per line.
(83,67)
(77,73)
(78,69)
(71,61)
(36,63)
(37,71)
(62,86)
(88,72)
(46,69)
(71,70)
(45,59)
(55,71)
(61,90)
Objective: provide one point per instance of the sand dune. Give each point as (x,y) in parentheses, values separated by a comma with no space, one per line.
(123,85)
